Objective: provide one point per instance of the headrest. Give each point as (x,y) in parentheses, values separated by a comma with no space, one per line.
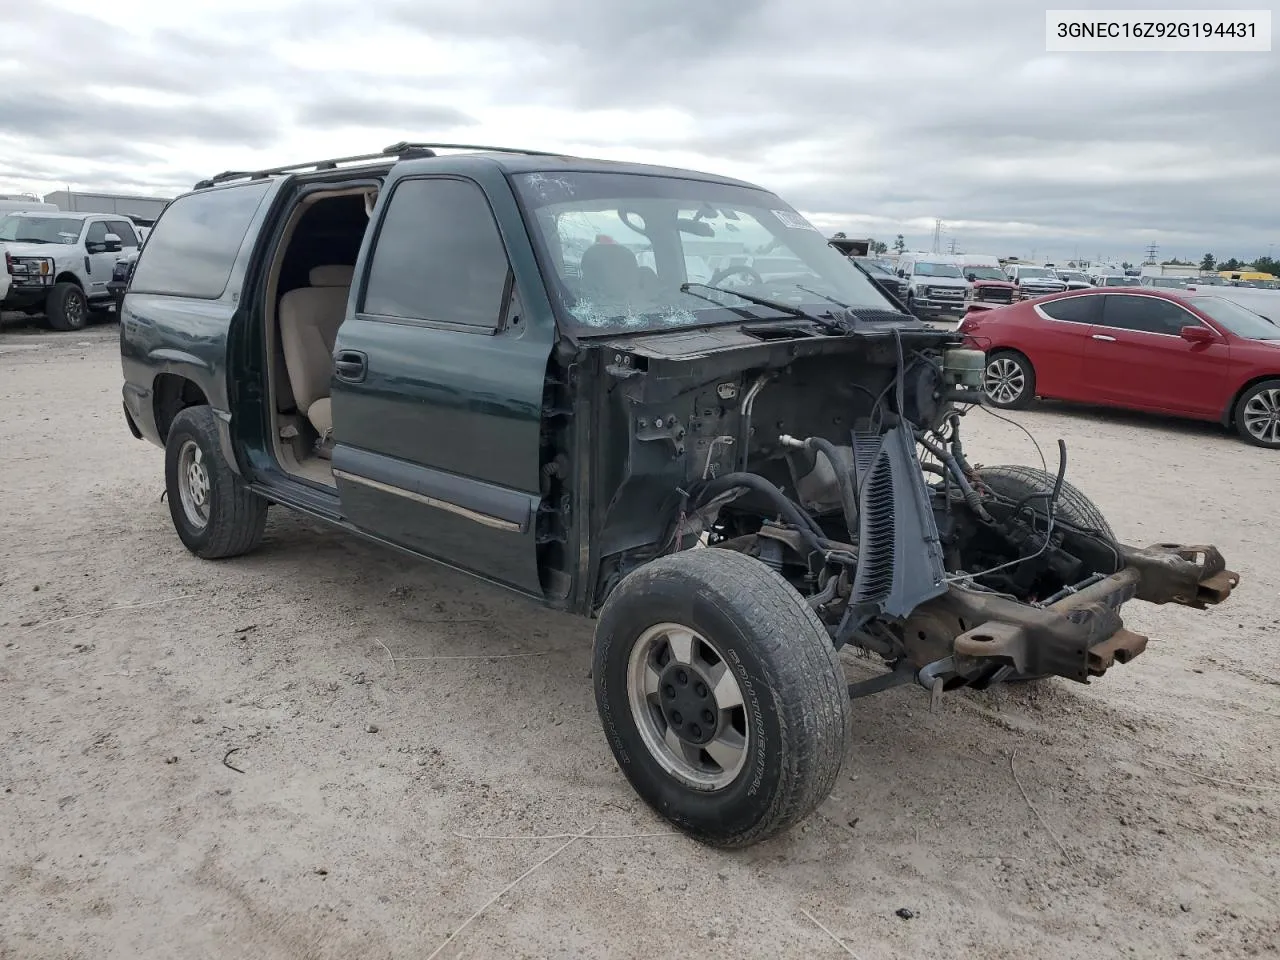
(331,275)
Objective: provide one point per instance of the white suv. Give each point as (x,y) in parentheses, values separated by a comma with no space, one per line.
(60,263)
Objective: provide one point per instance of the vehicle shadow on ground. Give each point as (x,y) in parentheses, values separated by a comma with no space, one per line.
(1111,416)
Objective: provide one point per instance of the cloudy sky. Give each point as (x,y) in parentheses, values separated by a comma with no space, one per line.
(872,118)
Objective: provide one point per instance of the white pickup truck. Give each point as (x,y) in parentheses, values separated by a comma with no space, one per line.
(59,264)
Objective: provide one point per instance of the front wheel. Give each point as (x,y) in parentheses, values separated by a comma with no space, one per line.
(721,695)
(66,307)
(1258,414)
(215,514)
(1009,381)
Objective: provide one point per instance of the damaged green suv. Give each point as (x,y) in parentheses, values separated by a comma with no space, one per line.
(650,396)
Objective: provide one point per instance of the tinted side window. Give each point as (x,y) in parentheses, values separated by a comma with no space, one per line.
(124,230)
(1145,314)
(1075,309)
(193,245)
(438,256)
(97,233)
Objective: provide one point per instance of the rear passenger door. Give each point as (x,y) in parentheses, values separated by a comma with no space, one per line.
(437,392)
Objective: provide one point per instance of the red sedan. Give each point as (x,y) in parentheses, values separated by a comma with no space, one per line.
(1204,358)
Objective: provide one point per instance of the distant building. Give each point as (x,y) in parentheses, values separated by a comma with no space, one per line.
(1170,270)
(75,201)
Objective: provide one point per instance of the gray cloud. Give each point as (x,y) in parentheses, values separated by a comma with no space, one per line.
(371,111)
(884,117)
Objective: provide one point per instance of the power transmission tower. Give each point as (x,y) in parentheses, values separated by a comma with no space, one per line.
(1152,250)
(952,249)
(937,236)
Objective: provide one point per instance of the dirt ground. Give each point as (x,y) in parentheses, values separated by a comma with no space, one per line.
(377,806)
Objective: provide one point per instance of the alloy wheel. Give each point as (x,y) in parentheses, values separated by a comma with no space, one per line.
(1004,380)
(193,484)
(1262,416)
(688,706)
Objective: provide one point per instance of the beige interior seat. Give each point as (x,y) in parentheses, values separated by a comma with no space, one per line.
(309,321)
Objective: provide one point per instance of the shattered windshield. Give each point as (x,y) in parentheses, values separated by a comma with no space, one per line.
(630,250)
(39,229)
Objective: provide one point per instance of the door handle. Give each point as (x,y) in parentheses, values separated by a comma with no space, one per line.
(1103,336)
(350,365)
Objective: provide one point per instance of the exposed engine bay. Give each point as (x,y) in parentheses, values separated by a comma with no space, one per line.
(840,463)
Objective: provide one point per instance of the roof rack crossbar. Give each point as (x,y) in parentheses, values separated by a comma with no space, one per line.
(403,149)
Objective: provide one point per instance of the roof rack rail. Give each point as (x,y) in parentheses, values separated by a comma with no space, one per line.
(404,150)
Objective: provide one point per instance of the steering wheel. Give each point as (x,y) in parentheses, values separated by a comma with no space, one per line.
(723,272)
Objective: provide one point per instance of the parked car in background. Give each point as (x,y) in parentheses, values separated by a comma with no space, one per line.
(935,287)
(882,275)
(986,280)
(60,263)
(1033,281)
(1204,358)
(1074,279)
(120,276)
(1117,280)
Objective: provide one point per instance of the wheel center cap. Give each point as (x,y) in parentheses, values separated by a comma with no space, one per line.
(688,705)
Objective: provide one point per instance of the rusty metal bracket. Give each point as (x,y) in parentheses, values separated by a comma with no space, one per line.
(662,428)
(1194,575)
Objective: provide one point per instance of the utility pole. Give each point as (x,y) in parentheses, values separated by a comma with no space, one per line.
(937,236)
(952,250)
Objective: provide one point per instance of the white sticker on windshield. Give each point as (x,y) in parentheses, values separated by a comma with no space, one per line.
(789,218)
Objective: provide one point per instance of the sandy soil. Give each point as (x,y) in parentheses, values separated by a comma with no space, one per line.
(1149,825)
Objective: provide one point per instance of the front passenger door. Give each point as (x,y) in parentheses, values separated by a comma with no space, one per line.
(1137,358)
(98,261)
(437,393)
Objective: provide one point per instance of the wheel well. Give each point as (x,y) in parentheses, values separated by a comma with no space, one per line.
(68,278)
(1229,415)
(172,394)
(1017,353)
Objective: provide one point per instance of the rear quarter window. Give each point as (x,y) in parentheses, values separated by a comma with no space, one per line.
(192,248)
(1082,309)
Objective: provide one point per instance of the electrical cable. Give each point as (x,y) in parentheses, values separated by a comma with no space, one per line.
(1048,533)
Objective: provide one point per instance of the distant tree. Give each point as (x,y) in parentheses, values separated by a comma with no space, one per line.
(839,235)
(1232,264)
(879,247)
(1267,265)
(1207,263)
(1126,265)
(1175,262)
(900,245)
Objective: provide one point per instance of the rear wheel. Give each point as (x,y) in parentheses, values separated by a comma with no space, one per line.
(1009,380)
(215,514)
(721,695)
(1257,414)
(67,307)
